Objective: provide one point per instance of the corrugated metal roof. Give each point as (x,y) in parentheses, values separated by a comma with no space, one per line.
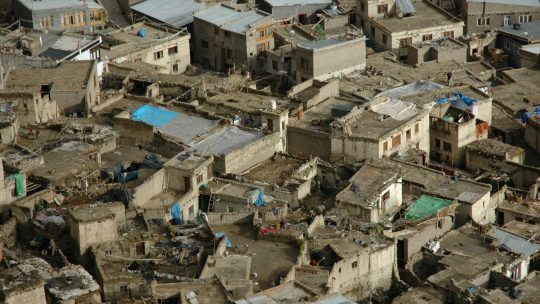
(230,19)
(337,299)
(405,6)
(275,3)
(515,243)
(177,13)
(534,3)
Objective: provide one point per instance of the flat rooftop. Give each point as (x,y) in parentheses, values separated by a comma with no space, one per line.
(367,184)
(469,255)
(426,15)
(319,117)
(245,102)
(224,141)
(490,146)
(57,4)
(270,260)
(370,126)
(188,162)
(274,171)
(180,126)
(436,183)
(529,32)
(421,295)
(130,39)
(69,76)
(88,213)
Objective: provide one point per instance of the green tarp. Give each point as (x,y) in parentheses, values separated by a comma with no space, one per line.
(425,206)
(20,189)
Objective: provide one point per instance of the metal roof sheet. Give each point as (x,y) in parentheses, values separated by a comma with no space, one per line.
(275,3)
(230,19)
(174,12)
(515,243)
(534,3)
(406,6)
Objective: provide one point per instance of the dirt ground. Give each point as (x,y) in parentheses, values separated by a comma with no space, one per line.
(281,256)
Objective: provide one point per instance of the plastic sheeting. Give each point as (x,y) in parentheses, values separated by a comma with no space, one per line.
(228,242)
(181,127)
(255,197)
(176,213)
(395,108)
(154,116)
(411,89)
(456,98)
(20,188)
(525,116)
(425,206)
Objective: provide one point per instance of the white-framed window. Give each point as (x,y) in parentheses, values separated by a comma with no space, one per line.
(525,18)
(506,20)
(482,21)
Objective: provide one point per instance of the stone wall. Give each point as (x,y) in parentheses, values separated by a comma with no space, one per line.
(8,233)
(230,218)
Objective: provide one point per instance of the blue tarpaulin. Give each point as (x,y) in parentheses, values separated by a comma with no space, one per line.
(457,97)
(154,116)
(525,116)
(176,214)
(228,243)
(256,197)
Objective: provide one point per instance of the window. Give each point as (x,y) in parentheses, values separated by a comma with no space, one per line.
(173,50)
(448,34)
(158,55)
(339,269)
(447,147)
(385,146)
(261,47)
(175,68)
(437,143)
(354,264)
(482,21)
(408,134)
(427,37)
(230,209)
(46,22)
(372,32)
(525,18)
(304,63)
(396,141)
(227,34)
(362,7)
(229,53)
(417,128)
(405,42)
(274,65)
(382,8)
(386,196)
(384,39)
(267,32)
(204,44)
(199,179)
(506,21)
(506,45)
(216,30)
(95,16)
